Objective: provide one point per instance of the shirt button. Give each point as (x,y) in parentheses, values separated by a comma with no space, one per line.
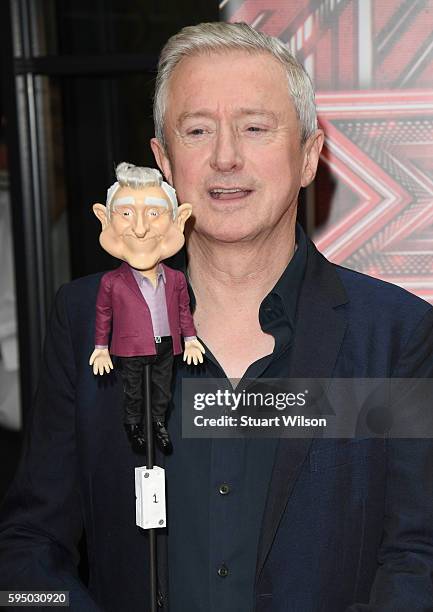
(224,489)
(223,570)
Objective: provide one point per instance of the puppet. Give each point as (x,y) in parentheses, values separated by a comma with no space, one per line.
(143,305)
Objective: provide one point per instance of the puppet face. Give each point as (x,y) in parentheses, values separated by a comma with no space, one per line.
(141,229)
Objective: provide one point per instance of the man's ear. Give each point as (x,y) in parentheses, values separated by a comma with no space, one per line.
(312,149)
(161,159)
(101,212)
(183,214)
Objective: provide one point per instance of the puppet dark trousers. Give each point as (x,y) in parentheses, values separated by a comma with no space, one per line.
(132,372)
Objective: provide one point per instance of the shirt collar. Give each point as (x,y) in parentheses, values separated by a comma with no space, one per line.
(288,286)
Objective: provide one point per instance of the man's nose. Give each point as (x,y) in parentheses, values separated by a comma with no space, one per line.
(226,155)
(141,226)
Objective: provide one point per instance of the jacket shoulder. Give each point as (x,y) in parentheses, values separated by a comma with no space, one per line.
(383,298)
(82,286)
(80,294)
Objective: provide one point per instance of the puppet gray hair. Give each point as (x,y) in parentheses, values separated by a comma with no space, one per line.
(138,177)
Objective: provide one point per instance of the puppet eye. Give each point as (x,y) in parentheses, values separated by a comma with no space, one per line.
(154,213)
(123,212)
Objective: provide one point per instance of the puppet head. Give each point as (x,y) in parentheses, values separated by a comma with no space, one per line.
(141,221)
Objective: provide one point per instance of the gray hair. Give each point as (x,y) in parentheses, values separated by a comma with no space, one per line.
(222,37)
(138,177)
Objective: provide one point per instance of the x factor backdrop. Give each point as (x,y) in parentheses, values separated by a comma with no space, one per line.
(371,61)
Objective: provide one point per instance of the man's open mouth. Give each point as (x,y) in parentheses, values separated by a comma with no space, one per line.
(228,193)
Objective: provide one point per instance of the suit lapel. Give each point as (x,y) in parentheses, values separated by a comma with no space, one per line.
(319,331)
(169,284)
(129,280)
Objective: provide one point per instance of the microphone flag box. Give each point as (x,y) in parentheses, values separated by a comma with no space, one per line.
(150,497)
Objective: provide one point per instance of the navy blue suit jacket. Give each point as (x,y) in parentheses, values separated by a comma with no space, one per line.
(348,524)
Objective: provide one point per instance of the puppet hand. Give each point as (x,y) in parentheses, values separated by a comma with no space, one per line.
(101,361)
(194,351)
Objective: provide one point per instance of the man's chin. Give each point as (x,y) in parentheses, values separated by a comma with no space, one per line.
(228,234)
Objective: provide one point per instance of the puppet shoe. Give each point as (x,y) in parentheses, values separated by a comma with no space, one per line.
(162,438)
(136,437)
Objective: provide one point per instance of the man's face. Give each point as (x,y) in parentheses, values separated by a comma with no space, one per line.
(233,144)
(141,229)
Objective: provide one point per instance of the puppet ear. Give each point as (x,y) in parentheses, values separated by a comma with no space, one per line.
(183,214)
(101,212)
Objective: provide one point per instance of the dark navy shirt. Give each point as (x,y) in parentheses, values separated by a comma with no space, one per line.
(216,488)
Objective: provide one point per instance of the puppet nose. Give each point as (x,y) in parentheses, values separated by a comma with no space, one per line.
(141,226)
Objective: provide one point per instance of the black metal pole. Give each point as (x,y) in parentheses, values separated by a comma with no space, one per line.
(149,465)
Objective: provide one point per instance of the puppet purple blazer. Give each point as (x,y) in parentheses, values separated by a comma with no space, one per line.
(122,310)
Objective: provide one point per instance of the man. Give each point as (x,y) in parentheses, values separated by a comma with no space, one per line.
(143,305)
(300,525)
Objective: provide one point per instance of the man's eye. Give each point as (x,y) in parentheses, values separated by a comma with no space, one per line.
(126,213)
(196,132)
(255,129)
(153,213)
